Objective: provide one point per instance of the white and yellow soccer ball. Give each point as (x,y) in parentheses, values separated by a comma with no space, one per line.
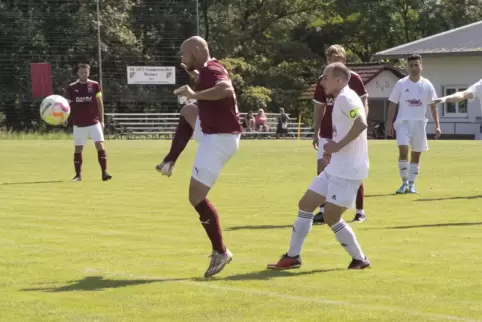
(54,110)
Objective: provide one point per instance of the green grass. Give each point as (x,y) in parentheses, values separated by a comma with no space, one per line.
(132,249)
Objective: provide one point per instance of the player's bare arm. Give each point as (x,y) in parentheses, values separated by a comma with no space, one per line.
(359,125)
(100,105)
(220,91)
(392,108)
(436,120)
(365,103)
(455,97)
(319,112)
(194,73)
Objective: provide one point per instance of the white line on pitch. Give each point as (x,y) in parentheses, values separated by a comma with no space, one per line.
(207,284)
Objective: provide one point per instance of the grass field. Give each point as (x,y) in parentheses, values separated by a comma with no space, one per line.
(133,250)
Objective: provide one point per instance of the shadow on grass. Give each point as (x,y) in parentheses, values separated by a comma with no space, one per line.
(270,274)
(455,224)
(31,182)
(451,198)
(381,195)
(258,227)
(96,283)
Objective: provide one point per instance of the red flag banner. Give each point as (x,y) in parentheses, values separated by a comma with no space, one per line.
(41,75)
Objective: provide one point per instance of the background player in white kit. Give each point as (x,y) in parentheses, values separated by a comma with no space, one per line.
(413,94)
(338,184)
(472,92)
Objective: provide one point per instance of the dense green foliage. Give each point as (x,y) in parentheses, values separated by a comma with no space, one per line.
(274,48)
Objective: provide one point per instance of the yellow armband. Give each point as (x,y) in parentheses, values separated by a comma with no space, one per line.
(99,94)
(354,113)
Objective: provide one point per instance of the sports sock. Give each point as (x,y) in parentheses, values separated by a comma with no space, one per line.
(413,172)
(209,218)
(301,228)
(345,235)
(102,157)
(403,167)
(78,163)
(360,196)
(181,138)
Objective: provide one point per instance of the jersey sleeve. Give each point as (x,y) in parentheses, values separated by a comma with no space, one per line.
(319,96)
(352,107)
(214,74)
(356,84)
(98,91)
(476,89)
(396,92)
(432,94)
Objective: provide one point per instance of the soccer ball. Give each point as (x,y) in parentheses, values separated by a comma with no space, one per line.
(54,110)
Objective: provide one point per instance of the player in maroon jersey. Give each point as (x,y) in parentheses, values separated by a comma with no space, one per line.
(214,124)
(87,109)
(323,124)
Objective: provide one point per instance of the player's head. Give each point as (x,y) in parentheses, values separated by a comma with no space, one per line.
(414,65)
(335,77)
(83,71)
(282,110)
(194,52)
(335,54)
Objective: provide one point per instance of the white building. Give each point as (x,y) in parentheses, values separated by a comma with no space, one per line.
(452,61)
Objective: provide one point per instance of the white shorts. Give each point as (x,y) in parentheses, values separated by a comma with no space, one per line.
(214,151)
(81,134)
(338,191)
(321,150)
(412,134)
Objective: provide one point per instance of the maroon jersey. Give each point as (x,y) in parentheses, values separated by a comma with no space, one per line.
(320,97)
(83,102)
(219,116)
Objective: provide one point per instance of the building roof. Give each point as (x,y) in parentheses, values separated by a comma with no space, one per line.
(367,72)
(462,41)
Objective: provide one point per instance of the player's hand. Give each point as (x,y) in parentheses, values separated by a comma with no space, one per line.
(102,124)
(193,73)
(315,141)
(185,91)
(390,129)
(331,147)
(438,133)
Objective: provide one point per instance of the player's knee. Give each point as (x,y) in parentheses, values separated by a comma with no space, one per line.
(332,214)
(99,145)
(190,113)
(79,148)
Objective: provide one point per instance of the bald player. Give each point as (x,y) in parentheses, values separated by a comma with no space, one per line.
(214,124)
(338,184)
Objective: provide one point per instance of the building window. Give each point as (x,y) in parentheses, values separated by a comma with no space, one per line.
(455,109)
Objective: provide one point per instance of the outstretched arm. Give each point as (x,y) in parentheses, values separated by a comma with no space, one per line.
(455,97)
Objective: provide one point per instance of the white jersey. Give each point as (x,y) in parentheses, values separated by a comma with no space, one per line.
(412,98)
(476,90)
(351,162)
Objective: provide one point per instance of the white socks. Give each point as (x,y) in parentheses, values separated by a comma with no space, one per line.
(301,228)
(403,168)
(413,172)
(345,235)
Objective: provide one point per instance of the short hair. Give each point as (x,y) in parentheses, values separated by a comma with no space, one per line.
(336,50)
(83,65)
(339,70)
(414,57)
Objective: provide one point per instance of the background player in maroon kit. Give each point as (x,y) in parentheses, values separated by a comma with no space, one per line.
(323,124)
(215,124)
(87,109)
